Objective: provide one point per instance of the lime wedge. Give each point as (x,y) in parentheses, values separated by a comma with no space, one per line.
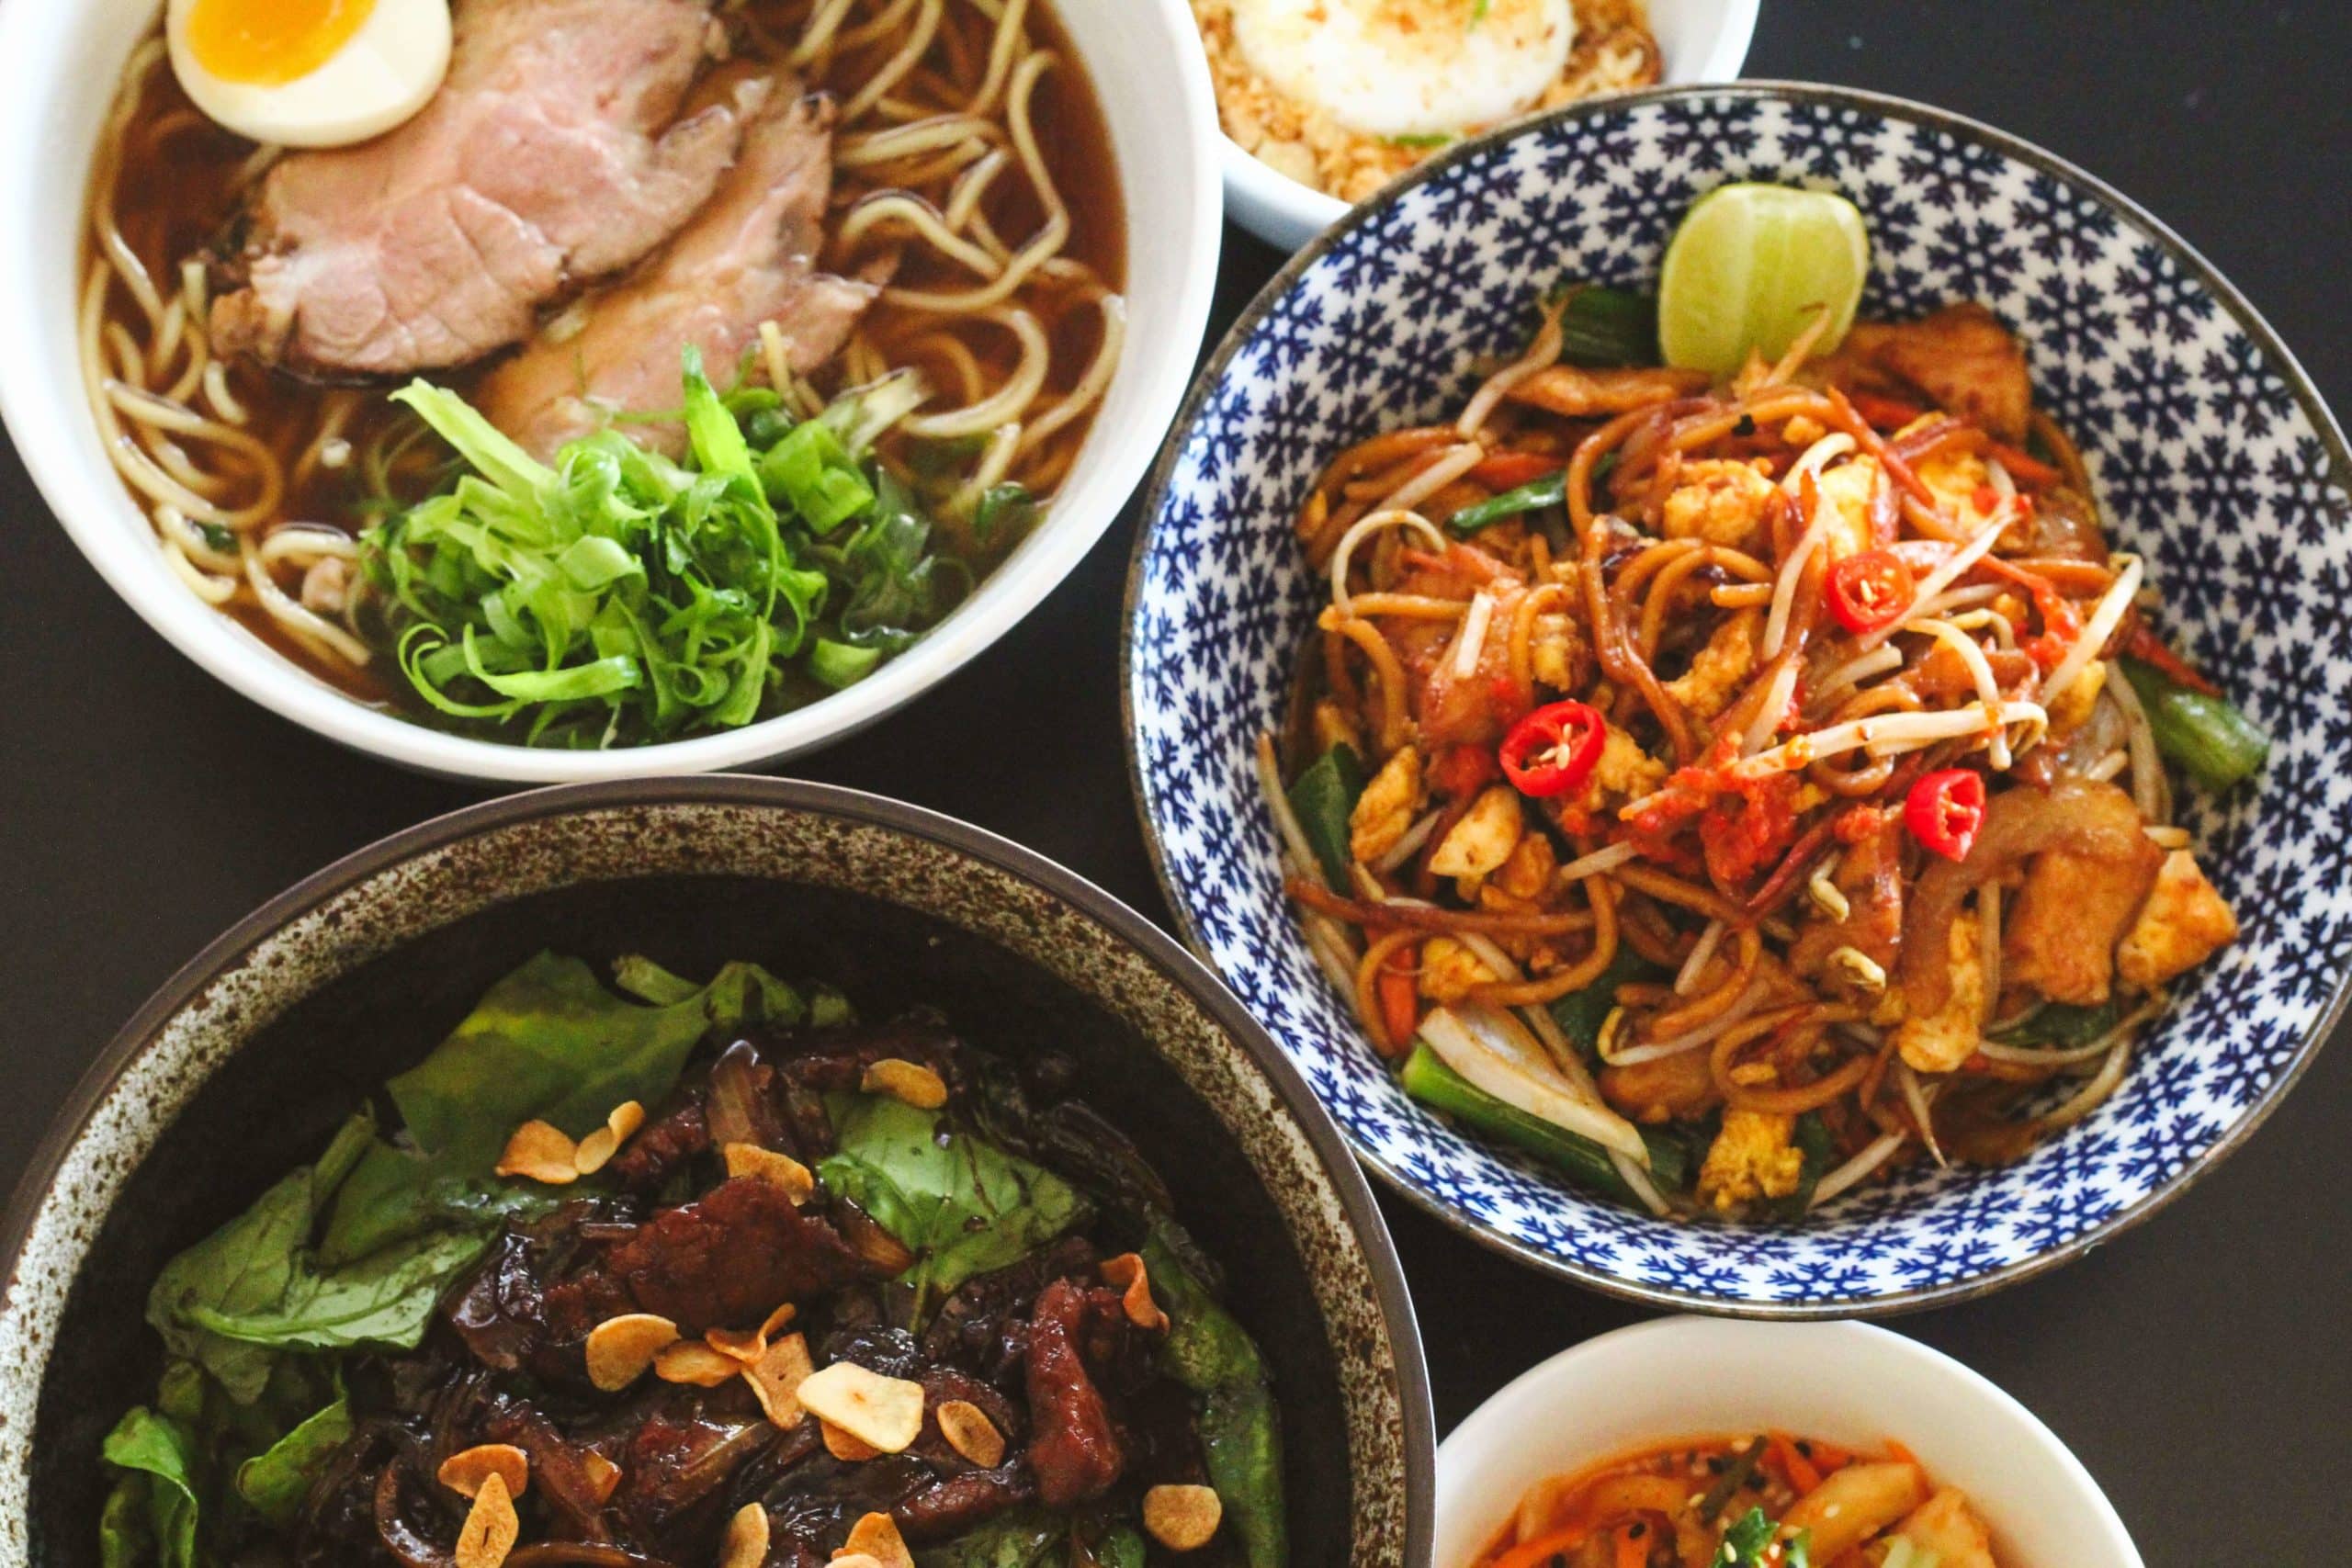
(1751,267)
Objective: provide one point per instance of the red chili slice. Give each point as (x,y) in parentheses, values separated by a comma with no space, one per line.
(1554,749)
(1944,811)
(1869,592)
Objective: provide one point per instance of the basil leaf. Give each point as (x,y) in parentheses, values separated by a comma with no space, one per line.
(961,1205)
(548,1042)
(249,1265)
(275,1482)
(161,1450)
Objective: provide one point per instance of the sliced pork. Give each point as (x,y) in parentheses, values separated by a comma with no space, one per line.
(553,154)
(747,258)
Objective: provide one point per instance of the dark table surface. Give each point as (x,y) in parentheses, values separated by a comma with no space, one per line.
(2200,1365)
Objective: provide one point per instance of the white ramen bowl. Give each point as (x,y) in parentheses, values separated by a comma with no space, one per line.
(1849,1382)
(1698,40)
(64,61)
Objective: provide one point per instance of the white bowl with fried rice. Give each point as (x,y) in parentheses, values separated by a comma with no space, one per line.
(1293,169)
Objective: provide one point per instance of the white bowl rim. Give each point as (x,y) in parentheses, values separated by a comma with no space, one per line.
(42,419)
(1260,186)
(2191,261)
(1963,1383)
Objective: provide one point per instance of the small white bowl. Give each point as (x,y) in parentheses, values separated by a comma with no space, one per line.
(1698,40)
(65,60)
(1849,1383)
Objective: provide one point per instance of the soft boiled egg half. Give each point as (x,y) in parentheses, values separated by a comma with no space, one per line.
(1409,67)
(309,73)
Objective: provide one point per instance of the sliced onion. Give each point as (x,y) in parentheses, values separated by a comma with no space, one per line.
(1502,1059)
(1690,1040)
(1876,1153)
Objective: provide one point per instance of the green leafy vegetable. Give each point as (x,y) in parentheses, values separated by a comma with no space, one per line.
(549,1042)
(1322,798)
(2207,734)
(251,1267)
(1581,1013)
(1421,139)
(125,1539)
(1797,1550)
(2064,1025)
(618,596)
(1819,1150)
(1427,1080)
(1532,496)
(274,1482)
(961,1205)
(1022,1538)
(165,1466)
(1744,1542)
(1240,1428)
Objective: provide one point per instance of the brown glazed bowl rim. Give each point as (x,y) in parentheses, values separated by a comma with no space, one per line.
(142,1033)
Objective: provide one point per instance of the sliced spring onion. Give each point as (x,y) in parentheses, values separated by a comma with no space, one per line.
(1532,496)
(1497,1055)
(1606,327)
(1427,1080)
(2209,735)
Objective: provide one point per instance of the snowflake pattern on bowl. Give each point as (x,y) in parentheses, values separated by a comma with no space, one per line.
(2213,455)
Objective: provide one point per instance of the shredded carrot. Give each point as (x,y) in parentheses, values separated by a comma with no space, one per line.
(1896,1450)
(1532,1553)
(1631,1552)
(1398,1008)
(1793,1464)
(2023,468)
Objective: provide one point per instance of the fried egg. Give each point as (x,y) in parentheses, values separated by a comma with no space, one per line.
(1409,67)
(309,73)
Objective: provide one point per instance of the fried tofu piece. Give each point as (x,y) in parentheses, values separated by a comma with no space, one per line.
(1581,394)
(2069,916)
(1483,839)
(1755,1156)
(2185,921)
(1961,356)
(1720,501)
(1942,1041)
(1387,805)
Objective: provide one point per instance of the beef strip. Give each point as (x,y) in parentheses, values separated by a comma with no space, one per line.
(1074,1446)
(731,1256)
(748,257)
(948,1507)
(552,154)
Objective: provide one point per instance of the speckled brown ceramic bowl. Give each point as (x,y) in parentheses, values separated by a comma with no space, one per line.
(242,1065)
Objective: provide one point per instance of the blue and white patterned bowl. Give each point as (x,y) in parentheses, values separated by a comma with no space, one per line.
(2211,452)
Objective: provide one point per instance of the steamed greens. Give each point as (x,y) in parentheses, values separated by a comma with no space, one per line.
(357,1248)
(618,596)
(381,1288)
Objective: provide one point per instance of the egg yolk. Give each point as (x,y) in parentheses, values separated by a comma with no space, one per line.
(266,43)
